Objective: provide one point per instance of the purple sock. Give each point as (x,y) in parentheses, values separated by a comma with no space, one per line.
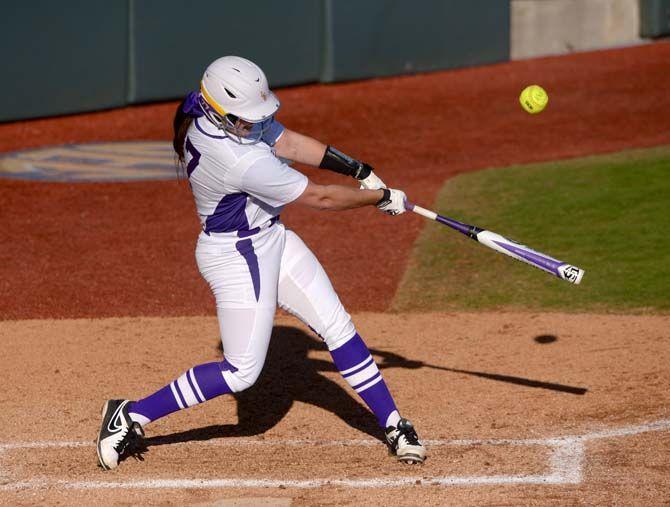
(357,366)
(199,384)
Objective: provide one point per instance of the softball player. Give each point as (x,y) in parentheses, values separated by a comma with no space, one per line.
(231,148)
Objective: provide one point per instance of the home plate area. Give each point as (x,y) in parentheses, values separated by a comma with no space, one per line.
(281,463)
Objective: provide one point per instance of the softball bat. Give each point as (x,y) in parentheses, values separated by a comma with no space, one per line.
(501,244)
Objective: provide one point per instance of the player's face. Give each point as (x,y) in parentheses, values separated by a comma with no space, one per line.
(246,132)
(240,127)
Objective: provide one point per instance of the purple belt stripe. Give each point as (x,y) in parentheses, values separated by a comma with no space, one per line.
(256,230)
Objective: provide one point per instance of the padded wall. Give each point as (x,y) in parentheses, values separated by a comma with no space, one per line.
(172,42)
(62,57)
(76,56)
(388,37)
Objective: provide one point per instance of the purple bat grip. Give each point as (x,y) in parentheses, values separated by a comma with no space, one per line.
(469,230)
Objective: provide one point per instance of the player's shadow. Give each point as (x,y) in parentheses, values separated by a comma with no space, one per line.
(289,375)
(390,360)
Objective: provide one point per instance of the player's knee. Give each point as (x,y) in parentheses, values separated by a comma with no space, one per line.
(250,376)
(338,331)
(246,374)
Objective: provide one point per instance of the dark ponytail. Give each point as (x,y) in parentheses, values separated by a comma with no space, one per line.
(180,124)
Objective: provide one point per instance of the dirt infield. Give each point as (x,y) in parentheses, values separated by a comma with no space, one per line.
(488,396)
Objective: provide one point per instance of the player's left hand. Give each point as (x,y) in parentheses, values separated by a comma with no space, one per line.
(392,202)
(372,182)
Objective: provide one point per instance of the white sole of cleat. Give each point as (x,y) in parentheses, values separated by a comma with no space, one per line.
(411,460)
(97,443)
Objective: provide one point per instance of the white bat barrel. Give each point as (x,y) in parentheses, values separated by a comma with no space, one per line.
(501,244)
(567,272)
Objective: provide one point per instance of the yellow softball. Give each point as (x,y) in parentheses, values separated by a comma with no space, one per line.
(533,99)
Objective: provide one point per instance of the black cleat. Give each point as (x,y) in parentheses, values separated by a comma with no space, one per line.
(119,436)
(404,443)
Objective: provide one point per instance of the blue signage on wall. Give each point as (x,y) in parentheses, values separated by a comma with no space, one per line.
(115,161)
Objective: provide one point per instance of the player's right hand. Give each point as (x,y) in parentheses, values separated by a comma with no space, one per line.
(393,201)
(372,182)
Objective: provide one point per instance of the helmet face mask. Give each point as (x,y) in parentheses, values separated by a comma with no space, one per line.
(242,131)
(235,97)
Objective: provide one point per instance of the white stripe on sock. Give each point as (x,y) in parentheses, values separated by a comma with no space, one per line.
(363,375)
(176,395)
(191,374)
(185,388)
(354,368)
(369,384)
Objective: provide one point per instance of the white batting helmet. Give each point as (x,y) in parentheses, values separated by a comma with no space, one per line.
(236,86)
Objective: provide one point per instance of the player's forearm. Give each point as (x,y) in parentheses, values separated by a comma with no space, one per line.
(300,148)
(338,197)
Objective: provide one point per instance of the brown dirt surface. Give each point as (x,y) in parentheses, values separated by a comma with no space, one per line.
(99,250)
(484,393)
(100,297)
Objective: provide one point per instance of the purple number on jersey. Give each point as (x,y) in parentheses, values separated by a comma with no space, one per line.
(195,157)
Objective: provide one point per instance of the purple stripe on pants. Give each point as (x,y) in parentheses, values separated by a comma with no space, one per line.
(246,249)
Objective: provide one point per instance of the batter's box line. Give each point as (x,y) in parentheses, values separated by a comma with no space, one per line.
(565,463)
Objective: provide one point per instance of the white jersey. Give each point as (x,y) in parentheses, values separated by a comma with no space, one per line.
(237,188)
(248,258)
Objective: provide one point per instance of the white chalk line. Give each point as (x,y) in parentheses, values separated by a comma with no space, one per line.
(566,464)
(623,431)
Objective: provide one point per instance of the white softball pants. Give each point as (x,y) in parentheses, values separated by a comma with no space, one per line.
(248,277)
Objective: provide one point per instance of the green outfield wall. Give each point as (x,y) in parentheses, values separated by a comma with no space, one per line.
(172,41)
(655,18)
(390,37)
(76,56)
(62,57)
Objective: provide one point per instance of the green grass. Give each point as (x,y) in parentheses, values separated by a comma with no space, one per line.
(609,215)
